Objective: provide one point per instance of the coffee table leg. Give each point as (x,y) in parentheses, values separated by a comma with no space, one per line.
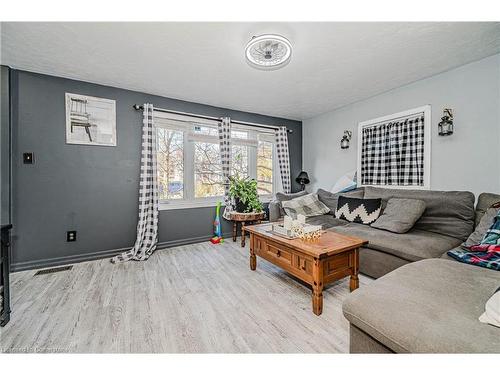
(354,281)
(317,294)
(317,301)
(253,258)
(242,234)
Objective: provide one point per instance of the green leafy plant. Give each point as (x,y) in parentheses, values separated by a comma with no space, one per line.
(244,192)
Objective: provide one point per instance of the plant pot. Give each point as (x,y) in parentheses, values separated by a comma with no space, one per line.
(239,205)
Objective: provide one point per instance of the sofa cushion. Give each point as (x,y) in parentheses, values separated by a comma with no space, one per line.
(400,215)
(431,306)
(447,212)
(412,246)
(308,205)
(485,201)
(327,221)
(282,197)
(331,199)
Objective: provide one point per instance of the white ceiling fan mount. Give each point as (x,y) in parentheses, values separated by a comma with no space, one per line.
(268,52)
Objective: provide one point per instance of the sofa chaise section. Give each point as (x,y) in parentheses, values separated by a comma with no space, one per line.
(409,247)
(430,306)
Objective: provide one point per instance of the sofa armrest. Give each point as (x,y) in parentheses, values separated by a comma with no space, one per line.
(274,210)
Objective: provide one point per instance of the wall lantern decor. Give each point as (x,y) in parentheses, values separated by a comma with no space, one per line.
(445,126)
(344,143)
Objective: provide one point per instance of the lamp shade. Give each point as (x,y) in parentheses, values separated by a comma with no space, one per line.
(303,178)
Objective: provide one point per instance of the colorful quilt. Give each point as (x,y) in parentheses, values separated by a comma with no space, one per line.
(485,254)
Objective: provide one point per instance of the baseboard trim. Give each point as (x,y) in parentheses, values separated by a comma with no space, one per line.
(59,261)
(189,241)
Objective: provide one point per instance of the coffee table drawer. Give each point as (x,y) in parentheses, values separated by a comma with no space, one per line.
(281,254)
(273,251)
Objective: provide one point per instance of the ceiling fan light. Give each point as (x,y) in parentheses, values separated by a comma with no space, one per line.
(268,52)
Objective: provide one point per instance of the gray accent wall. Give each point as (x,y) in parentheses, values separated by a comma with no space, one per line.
(94,189)
(467,160)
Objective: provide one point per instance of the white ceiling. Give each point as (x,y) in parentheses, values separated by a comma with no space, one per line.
(333,64)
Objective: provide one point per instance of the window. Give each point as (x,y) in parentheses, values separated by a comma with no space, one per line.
(208,180)
(189,165)
(170,164)
(394,150)
(265,167)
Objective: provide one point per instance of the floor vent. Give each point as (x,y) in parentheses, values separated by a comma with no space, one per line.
(53,270)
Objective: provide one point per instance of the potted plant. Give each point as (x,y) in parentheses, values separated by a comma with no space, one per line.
(244,193)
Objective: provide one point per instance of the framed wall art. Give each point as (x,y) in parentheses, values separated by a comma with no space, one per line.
(90,120)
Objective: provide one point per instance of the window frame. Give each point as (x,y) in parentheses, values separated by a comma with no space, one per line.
(189,201)
(426,110)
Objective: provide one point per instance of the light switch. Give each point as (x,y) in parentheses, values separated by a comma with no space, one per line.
(28,158)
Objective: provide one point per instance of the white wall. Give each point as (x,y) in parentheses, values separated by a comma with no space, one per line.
(467,160)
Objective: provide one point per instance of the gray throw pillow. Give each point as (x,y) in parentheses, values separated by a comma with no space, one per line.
(331,199)
(282,197)
(400,215)
(308,205)
(484,224)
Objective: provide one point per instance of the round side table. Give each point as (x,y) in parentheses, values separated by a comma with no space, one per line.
(244,219)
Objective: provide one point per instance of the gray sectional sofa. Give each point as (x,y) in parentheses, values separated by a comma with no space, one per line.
(422,301)
(447,221)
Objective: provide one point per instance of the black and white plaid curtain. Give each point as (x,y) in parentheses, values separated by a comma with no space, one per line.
(224,128)
(393,153)
(283,157)
(147,227)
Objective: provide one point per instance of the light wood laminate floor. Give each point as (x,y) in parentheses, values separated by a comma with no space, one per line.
(189,299)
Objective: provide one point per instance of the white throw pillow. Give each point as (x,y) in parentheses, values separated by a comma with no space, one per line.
(491,314)
(345,183)
(308,205)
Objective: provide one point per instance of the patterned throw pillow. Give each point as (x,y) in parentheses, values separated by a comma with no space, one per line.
(356,210)
(307,205)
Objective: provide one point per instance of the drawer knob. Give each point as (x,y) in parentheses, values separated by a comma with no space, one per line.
(278,253)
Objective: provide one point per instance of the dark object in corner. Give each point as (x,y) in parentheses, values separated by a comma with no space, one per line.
(4,275)
(303,180)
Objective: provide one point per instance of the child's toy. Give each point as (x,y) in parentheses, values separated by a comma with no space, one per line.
(216,240)
(217,227)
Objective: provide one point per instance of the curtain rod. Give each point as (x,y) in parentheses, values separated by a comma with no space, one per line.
(138,107)
(393,119)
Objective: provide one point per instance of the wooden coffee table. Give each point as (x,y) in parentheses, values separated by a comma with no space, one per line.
(332,257)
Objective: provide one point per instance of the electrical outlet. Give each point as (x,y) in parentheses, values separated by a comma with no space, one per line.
(71,236)
(28,158)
